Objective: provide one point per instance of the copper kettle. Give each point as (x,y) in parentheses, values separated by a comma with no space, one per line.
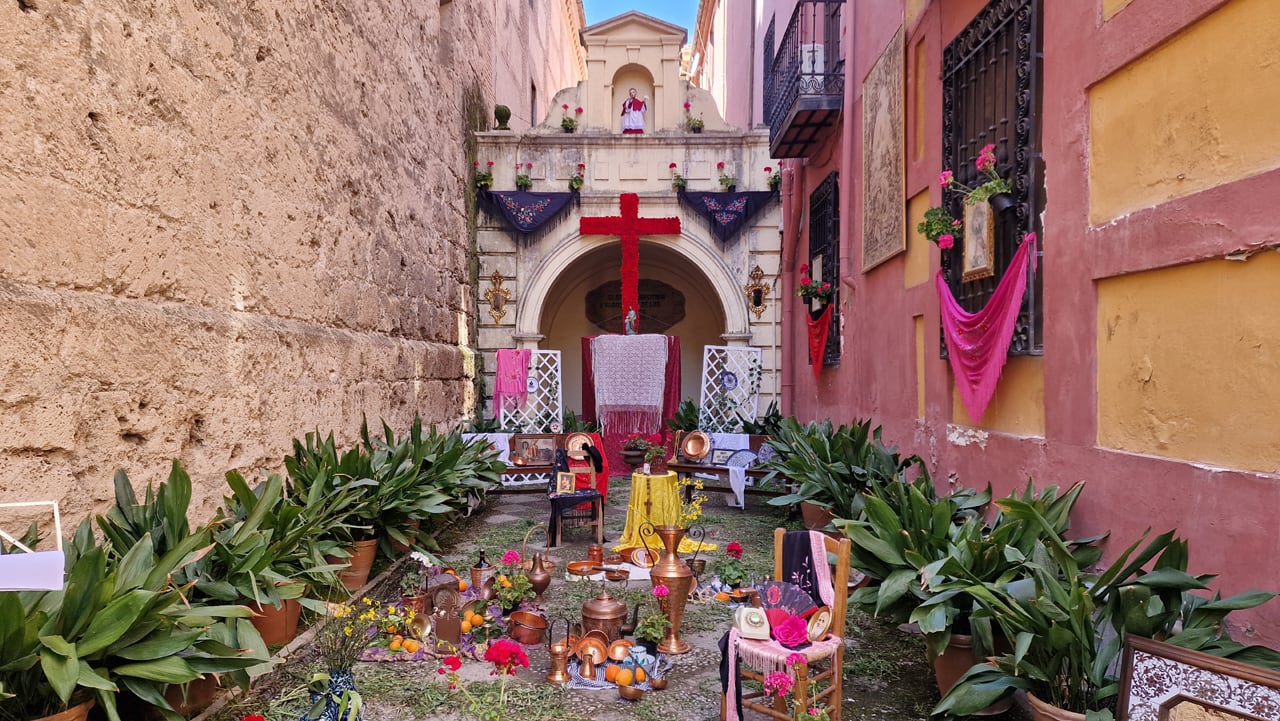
(629,627)
(604,613)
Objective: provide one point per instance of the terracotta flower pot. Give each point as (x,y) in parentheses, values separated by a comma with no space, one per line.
(75,713)
(277,626)
(1041,711)
(200,695)
(815,517)
(356,574)
(958,658)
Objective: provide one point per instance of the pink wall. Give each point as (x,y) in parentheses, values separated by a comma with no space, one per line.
(1225,514)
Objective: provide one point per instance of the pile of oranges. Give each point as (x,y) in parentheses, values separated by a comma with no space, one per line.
(472,621)
(623,676)
(408,645)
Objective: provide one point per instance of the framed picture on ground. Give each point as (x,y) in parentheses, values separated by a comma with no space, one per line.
(537,449)
(565,483)
(1162,682)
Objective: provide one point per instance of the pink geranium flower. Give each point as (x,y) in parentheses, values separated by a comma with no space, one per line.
(804,269)
(945,179)
(511,558)
(661,591)
(578,110)
(777,684)
(946,241)
(565,106)
(687,105)
(805,280)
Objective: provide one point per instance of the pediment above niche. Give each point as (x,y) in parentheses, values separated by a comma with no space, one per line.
(633,26)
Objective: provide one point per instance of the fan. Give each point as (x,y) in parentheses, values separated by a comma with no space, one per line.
(786,596)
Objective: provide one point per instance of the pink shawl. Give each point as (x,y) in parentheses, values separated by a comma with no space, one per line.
(978,343)
(510,385)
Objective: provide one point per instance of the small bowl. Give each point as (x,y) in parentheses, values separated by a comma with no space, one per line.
(617,574)
(630,693)
(658,683)
(620,650)
(614,560)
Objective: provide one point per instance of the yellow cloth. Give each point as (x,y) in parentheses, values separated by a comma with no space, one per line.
(655,498)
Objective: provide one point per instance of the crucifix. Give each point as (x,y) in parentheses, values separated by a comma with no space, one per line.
(629,227)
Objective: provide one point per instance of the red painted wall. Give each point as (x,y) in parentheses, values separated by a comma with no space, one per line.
(1227,515)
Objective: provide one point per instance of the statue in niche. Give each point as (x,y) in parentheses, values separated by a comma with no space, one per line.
(633,110)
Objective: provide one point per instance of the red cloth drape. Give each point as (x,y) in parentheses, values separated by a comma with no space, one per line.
(818,331)
(582,471)
(612,446)
(978,343)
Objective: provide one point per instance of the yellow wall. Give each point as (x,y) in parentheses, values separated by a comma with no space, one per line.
(916,269)
(914,8)
(1111,7)
(1018,405)
(1197,112)
(1189,362)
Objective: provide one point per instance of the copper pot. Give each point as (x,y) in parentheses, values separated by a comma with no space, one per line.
(604,613)
(595,553)
(527,627)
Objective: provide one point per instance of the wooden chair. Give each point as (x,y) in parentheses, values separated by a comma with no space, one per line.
(568,511)
(828,666)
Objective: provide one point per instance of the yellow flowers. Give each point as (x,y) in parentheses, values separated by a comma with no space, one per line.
(347,630)
(691,510)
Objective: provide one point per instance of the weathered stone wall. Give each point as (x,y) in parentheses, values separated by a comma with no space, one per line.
(225,224)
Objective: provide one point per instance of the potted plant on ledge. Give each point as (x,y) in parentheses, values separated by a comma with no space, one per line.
(523,180)
(569,122)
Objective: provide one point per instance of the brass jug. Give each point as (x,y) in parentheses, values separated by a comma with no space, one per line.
(559,652)
(539,577)
(604,613)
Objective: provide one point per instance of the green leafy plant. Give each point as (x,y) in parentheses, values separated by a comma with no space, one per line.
(940,228)
(986,166)
(767,425)
(484,176)
(571,423)
(773,178)
(830,467)
(578,178)
(523,180)
(678,181)
(685,417)
(726,181)
(730,568)
(567,121)
(652,627)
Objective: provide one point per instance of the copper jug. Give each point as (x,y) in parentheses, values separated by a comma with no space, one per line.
(539,577)
(559,652)
(604,613)
(595,554)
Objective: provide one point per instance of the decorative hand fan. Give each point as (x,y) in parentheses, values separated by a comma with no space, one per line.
(786,596)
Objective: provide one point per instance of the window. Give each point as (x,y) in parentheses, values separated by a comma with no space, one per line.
(533,105)
(991,93)
(824,254)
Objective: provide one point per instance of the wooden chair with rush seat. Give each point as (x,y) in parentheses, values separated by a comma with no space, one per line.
(584,508)
(757,658)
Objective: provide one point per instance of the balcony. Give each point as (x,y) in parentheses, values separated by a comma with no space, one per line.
(804,78)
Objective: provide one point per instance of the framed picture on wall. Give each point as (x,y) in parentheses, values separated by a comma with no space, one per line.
(1163,682)
(979,242)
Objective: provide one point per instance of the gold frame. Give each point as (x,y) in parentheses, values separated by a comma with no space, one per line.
(566,483)
(979,235)
(757,285)
(497,297)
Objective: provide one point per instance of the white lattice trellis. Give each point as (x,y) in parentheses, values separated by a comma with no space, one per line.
(730,387)
(544,405)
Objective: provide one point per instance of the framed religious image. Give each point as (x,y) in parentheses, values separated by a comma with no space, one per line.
(537,449)
(565,483)
(979,242)
(720,455)
(1162,682)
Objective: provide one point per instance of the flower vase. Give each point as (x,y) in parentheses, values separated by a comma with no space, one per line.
(1001,202)
(327,697)
(633,458)
(675,574)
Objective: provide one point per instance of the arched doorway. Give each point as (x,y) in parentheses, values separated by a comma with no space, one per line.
(673,290)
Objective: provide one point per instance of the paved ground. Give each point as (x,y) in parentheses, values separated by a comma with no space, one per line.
(886,673)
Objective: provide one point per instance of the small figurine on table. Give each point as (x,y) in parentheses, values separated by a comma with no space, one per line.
(630,322)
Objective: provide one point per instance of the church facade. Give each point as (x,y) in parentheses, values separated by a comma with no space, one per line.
(704,272)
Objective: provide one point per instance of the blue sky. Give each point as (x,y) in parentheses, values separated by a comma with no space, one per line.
(678,12)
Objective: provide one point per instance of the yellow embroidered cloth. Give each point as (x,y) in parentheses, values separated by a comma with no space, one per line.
(655,498)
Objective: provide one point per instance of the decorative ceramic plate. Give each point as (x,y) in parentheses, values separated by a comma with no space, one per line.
(728,380)
(695,446)
(577,441)
(819,623)
(531,385)
(765,454)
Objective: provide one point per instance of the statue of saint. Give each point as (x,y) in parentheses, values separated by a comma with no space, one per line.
(633,110)
(630,322)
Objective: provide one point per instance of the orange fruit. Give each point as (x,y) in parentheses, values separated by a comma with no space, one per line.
(466,627)
(451,572)
(395,644)
(625,677)
(611,673)
(639,675)
(462,585)
(722,597)
(477,620)
(411,646)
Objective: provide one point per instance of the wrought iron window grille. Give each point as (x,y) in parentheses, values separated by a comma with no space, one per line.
(824,253)
(807,64)
(991,93)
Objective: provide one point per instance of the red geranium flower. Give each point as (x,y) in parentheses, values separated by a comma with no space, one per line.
(254,717)
(672,166)
(505,656)
(734,550)
(578,110)
(565,106)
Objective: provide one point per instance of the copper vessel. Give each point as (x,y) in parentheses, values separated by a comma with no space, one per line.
(595,553)
(678,578)
(539,577)
(604,613)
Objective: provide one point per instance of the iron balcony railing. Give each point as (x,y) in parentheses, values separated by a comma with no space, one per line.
(804,78)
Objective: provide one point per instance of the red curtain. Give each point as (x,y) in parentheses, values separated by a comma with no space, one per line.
(670,399)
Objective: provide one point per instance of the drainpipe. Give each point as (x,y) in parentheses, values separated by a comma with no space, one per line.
(793,172)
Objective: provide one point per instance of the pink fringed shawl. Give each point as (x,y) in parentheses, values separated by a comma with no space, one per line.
(978,343)
(510,385)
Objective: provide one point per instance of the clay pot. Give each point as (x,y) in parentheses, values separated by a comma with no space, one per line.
(1001,202)
(413,525)
(75,713)
(958,658)
(815,517)
(356,574)
(633,458)
(527,627)
(200,695)
(417,603)
(277,626)
(1041,711)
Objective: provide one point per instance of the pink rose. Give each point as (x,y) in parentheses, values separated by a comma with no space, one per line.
(945,179)
(947,241)
(792,632)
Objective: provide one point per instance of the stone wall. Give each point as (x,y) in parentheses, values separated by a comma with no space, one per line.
(225,224)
